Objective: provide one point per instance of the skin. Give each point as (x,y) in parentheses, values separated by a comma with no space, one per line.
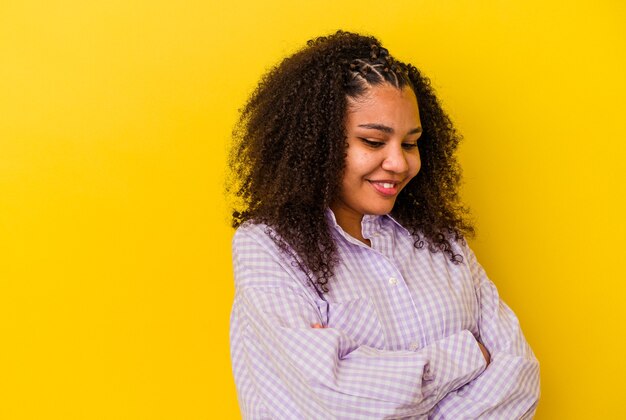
(485,352)
(382,128)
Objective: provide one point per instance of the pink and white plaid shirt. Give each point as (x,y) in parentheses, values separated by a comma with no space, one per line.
(398,340)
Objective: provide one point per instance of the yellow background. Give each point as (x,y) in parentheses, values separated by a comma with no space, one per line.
(115,275)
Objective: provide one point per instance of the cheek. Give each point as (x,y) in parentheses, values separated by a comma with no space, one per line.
(415,164)
(358,164)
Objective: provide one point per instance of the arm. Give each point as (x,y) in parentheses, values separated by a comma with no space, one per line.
(285,368)
(509,387)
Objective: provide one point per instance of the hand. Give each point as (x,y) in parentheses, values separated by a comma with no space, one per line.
(485,352)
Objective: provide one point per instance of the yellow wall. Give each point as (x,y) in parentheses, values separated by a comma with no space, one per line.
(115,276)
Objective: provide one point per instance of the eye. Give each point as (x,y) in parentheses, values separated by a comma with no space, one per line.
(372,143)
(409,146)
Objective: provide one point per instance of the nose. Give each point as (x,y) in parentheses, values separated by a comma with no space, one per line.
(395,160)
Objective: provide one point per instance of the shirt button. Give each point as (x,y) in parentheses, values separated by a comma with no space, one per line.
(413,346)
(393,281)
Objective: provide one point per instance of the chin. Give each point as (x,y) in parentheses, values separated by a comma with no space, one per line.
(380,210)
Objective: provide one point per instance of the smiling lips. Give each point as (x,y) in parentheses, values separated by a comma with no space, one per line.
(385,188)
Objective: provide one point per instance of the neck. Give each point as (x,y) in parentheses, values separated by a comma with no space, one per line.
(350,222)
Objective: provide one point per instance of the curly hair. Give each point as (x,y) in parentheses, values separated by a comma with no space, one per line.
(289,147)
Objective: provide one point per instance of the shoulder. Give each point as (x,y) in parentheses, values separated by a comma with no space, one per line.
(251,236)
(461,252)
(446,240)
(259,260)
(256,243)
(249,231)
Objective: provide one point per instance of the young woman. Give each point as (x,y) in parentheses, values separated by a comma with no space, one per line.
(356,293)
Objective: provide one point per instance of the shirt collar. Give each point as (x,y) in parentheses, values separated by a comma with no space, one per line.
(402,228)
(370,222)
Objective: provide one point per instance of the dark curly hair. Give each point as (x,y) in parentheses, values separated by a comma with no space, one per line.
(289,148)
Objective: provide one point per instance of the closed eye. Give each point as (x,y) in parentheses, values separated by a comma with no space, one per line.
(409,146)
(371,143)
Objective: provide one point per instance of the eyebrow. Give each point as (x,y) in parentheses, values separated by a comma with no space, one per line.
(386,129)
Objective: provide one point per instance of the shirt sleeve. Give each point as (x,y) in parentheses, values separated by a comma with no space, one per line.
(509,387)
(286,369)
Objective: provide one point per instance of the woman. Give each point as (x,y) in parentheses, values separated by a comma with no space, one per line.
(356,294)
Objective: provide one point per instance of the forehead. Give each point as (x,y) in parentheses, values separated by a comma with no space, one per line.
(385,104)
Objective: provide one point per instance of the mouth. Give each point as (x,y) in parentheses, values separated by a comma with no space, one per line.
(386,188)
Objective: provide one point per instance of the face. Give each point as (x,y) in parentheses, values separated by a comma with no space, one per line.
(382,127)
